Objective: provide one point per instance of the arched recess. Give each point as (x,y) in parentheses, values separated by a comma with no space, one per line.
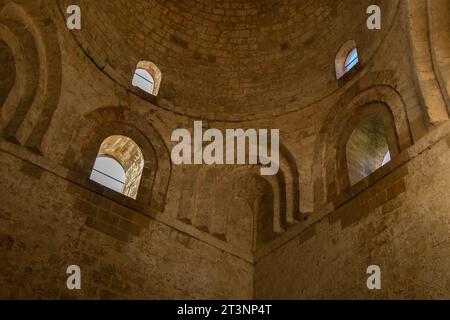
(103,123)
(7,71)
(368,148)
(147,77)
(291,179)
(29,106)
(255,209)
(18,101)
(428,33)
(328,174)
(439,17)
(377,111)
(209,191)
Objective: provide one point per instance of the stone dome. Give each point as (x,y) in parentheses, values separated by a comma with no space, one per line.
(255,57)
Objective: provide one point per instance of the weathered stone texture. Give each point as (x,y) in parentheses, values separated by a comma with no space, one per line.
(224,232)
(405,231)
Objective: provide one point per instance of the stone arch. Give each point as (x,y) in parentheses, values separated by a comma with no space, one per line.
(428,33)
(153,71)
(237,208)
(341,57)
(291,178)
(205,206)
(370,110)
(367,147)
(130,158)
(18,101)
(439,11)
(287,181)
(7,71)
(103,123)
(261,197)
(32,101)
(338,124)
(204,199)
(209,185)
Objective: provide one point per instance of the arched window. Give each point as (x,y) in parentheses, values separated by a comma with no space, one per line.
(346,59)
(147,77)
(7,71)
(109,173)
(119,165)
(367,148)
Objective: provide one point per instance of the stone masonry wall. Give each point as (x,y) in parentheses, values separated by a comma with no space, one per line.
(400,223)
(48,223)
(51,217)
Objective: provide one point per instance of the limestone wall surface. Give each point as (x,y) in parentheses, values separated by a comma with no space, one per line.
(223,232)
(400,223)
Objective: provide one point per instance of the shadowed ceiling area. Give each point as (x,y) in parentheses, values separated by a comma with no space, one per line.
(253,56)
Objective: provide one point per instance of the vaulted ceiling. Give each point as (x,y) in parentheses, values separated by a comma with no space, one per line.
(229,58)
